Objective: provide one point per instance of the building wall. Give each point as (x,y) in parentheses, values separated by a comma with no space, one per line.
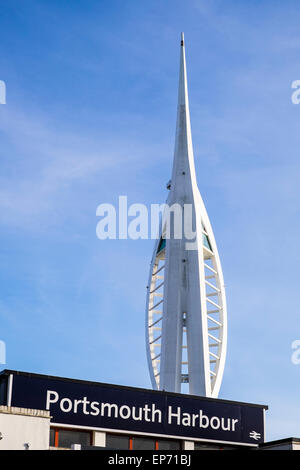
(283,444)
(296,445)
(287,446)
(23,429)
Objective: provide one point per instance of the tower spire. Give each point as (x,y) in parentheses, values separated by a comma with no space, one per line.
(186,307)
(183,154)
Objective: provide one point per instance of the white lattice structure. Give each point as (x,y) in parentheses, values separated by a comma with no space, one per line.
(186,321)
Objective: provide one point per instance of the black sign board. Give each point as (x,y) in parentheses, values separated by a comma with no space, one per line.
(97,405)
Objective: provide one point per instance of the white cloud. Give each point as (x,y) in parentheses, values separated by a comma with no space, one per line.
(42,164)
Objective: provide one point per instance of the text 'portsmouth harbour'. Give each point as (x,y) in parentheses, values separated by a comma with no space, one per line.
(173,415)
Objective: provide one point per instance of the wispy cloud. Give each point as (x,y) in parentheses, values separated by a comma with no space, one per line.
(50,161)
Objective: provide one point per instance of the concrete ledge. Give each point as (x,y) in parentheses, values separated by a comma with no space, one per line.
(25,411)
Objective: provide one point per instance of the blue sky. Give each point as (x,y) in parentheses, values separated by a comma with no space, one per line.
(90,115)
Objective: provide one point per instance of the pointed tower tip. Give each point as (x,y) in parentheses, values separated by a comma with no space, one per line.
(182,39)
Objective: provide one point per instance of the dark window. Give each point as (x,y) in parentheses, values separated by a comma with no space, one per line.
(52,437)
(131,442)
(116,441)
(207,446)
(168,444)
(206,242)
(143,443)
(64,438)
(198,446)
(68,437)
(161,245)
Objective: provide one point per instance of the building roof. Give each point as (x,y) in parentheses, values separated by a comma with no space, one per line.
(7,372)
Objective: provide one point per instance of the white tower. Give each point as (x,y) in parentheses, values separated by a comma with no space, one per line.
(186,321)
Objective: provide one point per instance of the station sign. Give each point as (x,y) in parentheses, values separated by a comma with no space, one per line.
(119,408)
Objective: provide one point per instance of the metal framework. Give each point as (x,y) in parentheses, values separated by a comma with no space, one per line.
(186,320)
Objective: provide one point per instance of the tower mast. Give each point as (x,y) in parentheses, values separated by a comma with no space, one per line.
(186,322)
